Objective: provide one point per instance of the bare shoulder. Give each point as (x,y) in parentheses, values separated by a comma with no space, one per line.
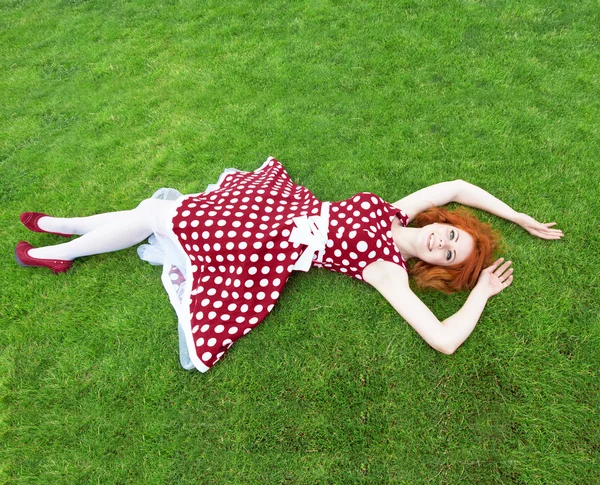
(385,273)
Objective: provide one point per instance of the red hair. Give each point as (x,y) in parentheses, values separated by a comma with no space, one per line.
(463,276)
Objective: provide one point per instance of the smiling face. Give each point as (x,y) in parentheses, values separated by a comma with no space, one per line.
(444,245)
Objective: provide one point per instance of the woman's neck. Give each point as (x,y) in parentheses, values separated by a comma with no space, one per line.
(406,239)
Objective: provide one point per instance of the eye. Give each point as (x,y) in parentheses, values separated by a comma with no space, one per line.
(448,255)
(452,234)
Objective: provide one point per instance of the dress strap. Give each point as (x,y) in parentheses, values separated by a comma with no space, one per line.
(313,232)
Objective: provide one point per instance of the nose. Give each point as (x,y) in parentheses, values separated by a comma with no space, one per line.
(441,242)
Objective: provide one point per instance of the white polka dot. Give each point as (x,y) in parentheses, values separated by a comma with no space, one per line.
(372,254)
(227,342)
(206,301)
(199,316)
(253,320)
(258,308)
(240,319)
(225,317)
(362,246)
(200,342)
(205,328)
(219,329)
(208,223)
(254,258)
(212,315)
(219,234)
(260,295)
(232,330)
(243,245)
(257,245)
(352,234)
(195,329)
(182,224)
(365,205)
(337,252)
(275,295)
(353,255)
(211,342)
(206,356)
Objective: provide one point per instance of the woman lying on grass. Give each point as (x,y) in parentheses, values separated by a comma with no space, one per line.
(228,252)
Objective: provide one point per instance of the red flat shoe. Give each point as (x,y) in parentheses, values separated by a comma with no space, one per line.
(30,221)
(23,258)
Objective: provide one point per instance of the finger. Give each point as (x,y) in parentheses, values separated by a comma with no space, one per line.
(551,231)
(549,224)
(506,275)
(495,264)
(502,268)
(508,281)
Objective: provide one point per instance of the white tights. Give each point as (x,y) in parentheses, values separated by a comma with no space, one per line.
(104,233)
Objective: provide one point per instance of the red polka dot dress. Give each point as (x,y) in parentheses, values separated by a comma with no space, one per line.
(360,233)
(237,240)
(243,238)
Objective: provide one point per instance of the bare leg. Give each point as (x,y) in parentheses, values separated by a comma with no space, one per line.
(104,233)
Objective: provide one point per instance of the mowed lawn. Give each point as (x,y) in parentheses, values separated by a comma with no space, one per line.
(103,102)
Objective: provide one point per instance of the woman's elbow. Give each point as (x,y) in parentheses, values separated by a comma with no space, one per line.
(446,348)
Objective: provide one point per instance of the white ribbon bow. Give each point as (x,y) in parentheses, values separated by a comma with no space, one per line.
(311,231)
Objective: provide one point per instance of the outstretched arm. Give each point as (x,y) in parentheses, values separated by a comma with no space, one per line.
(446,336)
(473,196)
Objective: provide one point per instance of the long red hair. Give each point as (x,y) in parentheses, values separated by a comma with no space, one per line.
(463,276)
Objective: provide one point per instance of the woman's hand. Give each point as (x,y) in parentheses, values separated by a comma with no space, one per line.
(538,229)
(495,278)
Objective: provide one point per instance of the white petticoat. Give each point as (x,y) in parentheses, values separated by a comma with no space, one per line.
(161,250)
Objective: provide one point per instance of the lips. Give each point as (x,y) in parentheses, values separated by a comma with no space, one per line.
(430,242)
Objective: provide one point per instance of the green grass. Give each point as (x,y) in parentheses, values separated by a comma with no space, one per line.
(103,102)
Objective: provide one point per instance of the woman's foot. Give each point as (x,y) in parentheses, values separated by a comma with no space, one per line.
(31,221)
(24,259)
